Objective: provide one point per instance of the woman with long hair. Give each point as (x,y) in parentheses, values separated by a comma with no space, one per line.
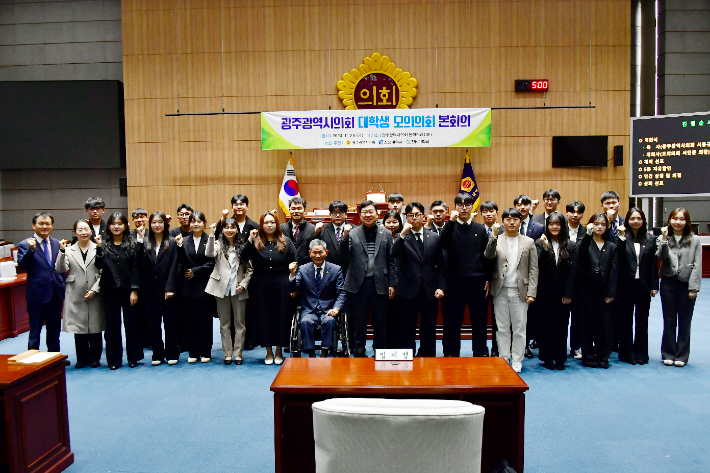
(271,254)
(228,284)
(83,308)
(158,261)
(680,252)
(117,259)
(199,307)
(638,282)
(598,274)
(554,290)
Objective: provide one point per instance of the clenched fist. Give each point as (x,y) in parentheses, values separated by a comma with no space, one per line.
(622,230)
(664,232)
(543,239)
(32,243)
(178,240)
(319,227)
(253,234)
(454,215)
(407,226)
(293,267)
(98,240)
(496,227)
(225,214)
(346,230)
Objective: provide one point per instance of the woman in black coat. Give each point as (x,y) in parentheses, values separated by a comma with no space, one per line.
(199,306)
(120,277)
(157,256)
(392,221)
(638,282)
(554,290)
(597,276)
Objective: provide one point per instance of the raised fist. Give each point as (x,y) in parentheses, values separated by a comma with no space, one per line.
(610,214)
(346,229)
(32,243)
(63,244)
(543,239)
(664,232)
(98,240)
(293,267)
(253,234)
(454,215)
(168,218)
(178,240)
(429,219)
(213,228)
(407,226)
(140,231)
(622,230)
(534,205)
(225,214)
(319,227)
(496,227)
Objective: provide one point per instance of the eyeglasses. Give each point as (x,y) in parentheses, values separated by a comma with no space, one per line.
(416,215)
(464,206)
(184,214)
(338,214)
(550,199)
(369,212)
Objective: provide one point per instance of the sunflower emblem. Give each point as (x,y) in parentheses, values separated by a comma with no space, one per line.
(377,83)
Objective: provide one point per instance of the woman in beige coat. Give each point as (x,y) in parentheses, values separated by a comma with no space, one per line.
(228,284)
(83,308)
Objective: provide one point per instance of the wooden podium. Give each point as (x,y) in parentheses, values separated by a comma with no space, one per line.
(34,429)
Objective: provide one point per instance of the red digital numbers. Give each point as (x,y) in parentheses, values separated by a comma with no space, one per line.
(539,85)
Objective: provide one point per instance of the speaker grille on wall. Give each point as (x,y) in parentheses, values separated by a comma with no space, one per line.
(123,186)
(619,155)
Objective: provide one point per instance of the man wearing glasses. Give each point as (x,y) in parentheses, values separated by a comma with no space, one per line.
(240,207)
(183,215)
(420,272)
(371,278)
(550,199)
(466,278)
(335,234)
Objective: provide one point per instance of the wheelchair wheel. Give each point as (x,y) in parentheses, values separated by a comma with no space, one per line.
(295,339)
(344,352)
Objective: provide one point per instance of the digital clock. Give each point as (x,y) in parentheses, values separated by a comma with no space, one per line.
(531,85)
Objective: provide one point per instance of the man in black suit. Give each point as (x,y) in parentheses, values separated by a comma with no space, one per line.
(182,309)
(332,234)
(421,281)
(438,210)
(550,199)
(183,214)
(298,230)
(467,278)
(240,207)
(610,205)
(371,279)
(489,212)
(577,230)
(528,226)
(95,208)
(139,217)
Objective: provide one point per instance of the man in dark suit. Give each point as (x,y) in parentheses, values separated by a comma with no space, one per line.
(298,230)
(371,278)
(577,230)
(45,286)
(467,278)
(139,217)
(550,199)
(323,296)
(240,207)
(183,215)
(610,205)
(95,208)
(528,226)
(421,281)
(182,312)
(332,234)
(575,214)
(489,212)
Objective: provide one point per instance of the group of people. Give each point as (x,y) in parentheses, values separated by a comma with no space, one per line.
(537,273)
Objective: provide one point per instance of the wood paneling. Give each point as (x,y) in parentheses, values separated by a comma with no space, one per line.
(289,54)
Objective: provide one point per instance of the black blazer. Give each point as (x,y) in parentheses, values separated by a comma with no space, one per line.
(158,273)
(200,265)
(648,268)
(415,268)
(336,253)
(307,232)
(581,231)
(555,280)
(606,262)
(464,246)
(119,269)
(178,231)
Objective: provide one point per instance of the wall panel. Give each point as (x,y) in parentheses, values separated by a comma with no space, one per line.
(289,54)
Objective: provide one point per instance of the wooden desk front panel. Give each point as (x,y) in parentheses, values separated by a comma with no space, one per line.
(14,319)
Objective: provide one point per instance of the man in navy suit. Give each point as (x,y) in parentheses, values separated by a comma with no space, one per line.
(528,226)
(321,285)
(610,204)
(45,286)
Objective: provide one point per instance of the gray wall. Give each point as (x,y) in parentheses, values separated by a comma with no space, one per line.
(58,40)
(684,77)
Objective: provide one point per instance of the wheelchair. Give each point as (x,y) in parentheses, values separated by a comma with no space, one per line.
(340,334)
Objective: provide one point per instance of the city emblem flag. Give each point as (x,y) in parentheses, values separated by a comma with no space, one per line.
(468,183)
(289,187)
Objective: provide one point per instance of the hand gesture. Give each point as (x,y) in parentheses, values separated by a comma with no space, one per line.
(98,239)
(168,218)
(134,298)
(653,293)
(63,244)
(178,240)
(89,295)
(496,227)
(664,232)
(590,228)
(319,227)
(610,215)
(32,243)
(390,290)
(346,230)
(622,230)
(454,215)
(438,294)
(225,214)
(293,267)
(429,219)
(692,294)
(213,228)
(189,274)
(168,295)
(534,205)
(543,239)
(407,226)
(529,299)
(253,234)
(333,312)
(240,289)
(140,232)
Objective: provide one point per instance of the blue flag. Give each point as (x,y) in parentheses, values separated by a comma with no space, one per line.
(468,183)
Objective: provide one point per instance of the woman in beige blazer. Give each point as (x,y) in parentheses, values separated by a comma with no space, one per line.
(83,308)
(228,284)
(513,285)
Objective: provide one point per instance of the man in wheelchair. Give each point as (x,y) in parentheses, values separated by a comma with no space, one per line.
(321,285)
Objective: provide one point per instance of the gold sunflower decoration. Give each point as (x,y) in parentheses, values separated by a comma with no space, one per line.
(377,83)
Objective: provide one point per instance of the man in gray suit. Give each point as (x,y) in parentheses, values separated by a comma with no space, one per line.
(371,278)
(550,199)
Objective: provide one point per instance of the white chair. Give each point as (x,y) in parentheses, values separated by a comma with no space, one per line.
(397,435)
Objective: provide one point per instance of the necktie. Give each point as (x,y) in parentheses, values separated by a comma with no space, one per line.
(522,229)
(435,228)
(490,232)
(337,235)
(295,232)
(614,228)
(318,280)
(46,252)
(420,243)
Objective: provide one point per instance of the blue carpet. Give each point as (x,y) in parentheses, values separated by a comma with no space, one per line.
(216,418)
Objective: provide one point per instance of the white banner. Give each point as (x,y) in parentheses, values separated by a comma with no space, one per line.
(395,128)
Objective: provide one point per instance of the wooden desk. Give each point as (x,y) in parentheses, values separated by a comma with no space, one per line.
(13,307)
(34,429)
(489,382)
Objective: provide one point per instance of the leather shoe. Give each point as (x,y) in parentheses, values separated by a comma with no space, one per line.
(549,366)
(560,367)
(132,364)
(604,364)
(494,353)
(95,364)
(590,364)
(67,362)
(227,361)
(324,352)
(485,353)
(79,365)
(114,367)
(238,361)
(528,353)
(533,344)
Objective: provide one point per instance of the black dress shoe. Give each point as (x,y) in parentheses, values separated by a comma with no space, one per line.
(79,365)
(95,364)
(604,364)
(132,364)
(641,362)
(590,364)
(238,362)
(227,361)
(533,344)
(560,367)
(324,352)
(528,353)
(549,366)
(68,363)
(114,367)
(494,353)
(485,353)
